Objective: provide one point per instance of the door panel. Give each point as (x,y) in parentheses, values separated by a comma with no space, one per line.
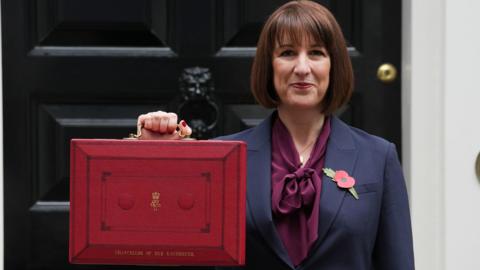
(87,69)
(103,28)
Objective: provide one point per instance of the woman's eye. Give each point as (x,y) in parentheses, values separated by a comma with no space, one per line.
(287,53)
(317,53)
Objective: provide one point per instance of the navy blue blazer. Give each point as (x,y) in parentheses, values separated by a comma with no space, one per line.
(373,232)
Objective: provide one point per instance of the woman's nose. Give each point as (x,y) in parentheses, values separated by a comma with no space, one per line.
(302,66)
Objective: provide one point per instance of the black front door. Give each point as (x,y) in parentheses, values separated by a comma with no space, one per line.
(86,69)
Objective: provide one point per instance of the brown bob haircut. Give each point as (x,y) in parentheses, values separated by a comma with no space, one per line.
(298,21)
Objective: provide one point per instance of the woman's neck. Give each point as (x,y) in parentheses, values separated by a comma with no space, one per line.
(303,125)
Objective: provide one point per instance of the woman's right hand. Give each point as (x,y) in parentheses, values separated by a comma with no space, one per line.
(162,126)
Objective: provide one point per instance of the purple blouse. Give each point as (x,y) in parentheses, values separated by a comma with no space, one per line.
(296,190)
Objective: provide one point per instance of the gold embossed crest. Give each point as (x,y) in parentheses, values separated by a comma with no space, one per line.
(155,204)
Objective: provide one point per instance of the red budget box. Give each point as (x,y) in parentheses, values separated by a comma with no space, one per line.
(157,202)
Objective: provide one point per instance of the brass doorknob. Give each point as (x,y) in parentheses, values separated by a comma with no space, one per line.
(387,73)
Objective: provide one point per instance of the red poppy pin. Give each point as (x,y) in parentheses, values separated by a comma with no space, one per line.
(342,179)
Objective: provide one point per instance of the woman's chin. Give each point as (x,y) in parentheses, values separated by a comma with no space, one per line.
(305,105)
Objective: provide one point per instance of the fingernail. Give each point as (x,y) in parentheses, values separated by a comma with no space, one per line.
(184,124)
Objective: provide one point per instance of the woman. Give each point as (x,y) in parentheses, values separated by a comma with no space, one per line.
(321,194)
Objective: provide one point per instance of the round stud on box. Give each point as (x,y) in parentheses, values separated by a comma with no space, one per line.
(186,201)
(126,201)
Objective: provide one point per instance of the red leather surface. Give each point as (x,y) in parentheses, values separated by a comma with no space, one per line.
(157,202)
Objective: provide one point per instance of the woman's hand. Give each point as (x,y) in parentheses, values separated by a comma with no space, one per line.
(162,126)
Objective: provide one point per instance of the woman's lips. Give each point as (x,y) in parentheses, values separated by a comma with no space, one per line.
(302,85)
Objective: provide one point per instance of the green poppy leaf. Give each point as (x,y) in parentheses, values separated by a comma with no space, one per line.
(329,172)
(354,192)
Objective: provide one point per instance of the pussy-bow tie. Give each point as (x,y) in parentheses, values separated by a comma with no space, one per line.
(298,191)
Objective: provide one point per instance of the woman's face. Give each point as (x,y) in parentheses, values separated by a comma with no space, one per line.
(300,74)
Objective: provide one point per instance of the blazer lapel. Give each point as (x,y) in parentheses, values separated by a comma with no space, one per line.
(341,155)
(259,187)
